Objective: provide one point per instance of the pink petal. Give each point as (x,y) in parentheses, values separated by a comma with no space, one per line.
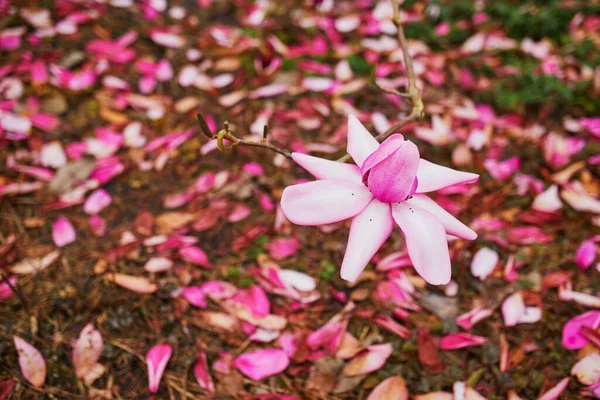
(136,284)
(460,340)
(167,39)
(572,338)
(360,142)
(96,202)
(15,123)
(53,155)
(6,288)
(157,358)
(324,201)
(452,225)
(326,169)
(297,280)
(262,363)
(548,201)
(368,231)
(513,309)
(202,374)
(433,177)
(369,360)
(586,254)
(63,232)
(392,388)
(195,295)
(87,350)
(484,262)
(587,369)
(555,392)
(390,171)
(34,265)
(280,249)
(98,225)
(466,321)
(158,264)
(195,255)
(426,243)
(31,361)
(255,299)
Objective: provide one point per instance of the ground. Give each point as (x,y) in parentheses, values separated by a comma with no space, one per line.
(510,92)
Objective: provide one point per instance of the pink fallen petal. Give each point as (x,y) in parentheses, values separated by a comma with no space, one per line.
(548,201)
(369,360)
(63,232)
(255,299)
(572,338)
(195,295)
(280,249)
(513,309)
(96,202)
(202,373)
(501,170)
(460,340)
(87,350)
(484,262)
(157,358)
(392,388)
(34,265)
(158,264)
(31,361)
(167,39)
(297,280)
(466,321)
(195,255)
(98,225)
(136,284)
(555,392)
(586,254)
(580,200)
(587,370)
(6,288)
(262,363)
(53,155)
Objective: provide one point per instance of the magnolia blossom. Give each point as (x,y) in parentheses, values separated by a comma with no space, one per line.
(385,186)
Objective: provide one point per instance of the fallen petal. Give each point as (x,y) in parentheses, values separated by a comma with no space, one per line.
(31,361)
(157,358)
(393,388)
(262,363)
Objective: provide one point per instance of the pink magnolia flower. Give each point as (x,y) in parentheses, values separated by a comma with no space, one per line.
(386,185)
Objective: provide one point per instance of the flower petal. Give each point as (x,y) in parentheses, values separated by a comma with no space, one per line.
(426,242)
(391,169)
(321,168)
(451,224)
(31,361)
(434,177)
(202,373)
(87,350)
(368,231)
(393,388)
(360,141)
(262,363)
(63,232)
(157,358)
(513,309)
(369,360)
(571,335)
(324,202)
(484,262)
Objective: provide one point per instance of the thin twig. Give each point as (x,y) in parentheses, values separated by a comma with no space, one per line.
(226,133)
(413,92)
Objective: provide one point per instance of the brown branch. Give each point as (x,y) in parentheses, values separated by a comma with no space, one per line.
(226,133)
(413,92)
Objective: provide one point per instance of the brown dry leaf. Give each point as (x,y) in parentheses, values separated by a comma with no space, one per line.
(68,176)
(393,388)
(138,284)
(428,352)
(169,221)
